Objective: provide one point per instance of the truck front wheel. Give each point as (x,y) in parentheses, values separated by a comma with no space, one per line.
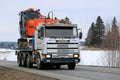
(39,64)
(71,66)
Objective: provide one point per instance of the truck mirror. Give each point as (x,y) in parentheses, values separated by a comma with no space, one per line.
(80,35)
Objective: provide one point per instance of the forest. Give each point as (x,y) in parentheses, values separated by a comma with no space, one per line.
(107,38)
(8,45)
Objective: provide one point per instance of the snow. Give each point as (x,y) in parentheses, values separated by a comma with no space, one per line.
(95,58)
(8,55)
(88,57)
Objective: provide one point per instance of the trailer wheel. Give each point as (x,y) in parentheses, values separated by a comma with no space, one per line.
(28,63)
(19,60)
(23,61)
(71,66)
(39,64)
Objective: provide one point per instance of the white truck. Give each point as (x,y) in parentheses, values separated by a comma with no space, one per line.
(51,45)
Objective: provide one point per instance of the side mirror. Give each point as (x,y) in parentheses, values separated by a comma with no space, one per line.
(80,35)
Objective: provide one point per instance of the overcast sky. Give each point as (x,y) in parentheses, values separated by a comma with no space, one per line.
(81,12)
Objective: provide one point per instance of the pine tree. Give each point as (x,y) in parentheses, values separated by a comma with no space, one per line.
(100,31)
(62,21)
(67,20)
(90,35)
(115,34)
(114,25)
(112,43)
(56,18)
(112,40)
(96,33)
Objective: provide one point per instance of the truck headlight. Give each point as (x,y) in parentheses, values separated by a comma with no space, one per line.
(76,55)
(48,56)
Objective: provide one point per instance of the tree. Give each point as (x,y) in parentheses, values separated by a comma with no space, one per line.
(100,31)
(115,34)
(1,45)
(96,33)
(66,20)
(90,35)
(112,43)
(61,21)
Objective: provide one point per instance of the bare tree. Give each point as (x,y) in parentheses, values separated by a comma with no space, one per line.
(112,44)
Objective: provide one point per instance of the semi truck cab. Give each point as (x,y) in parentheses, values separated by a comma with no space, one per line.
(57,44)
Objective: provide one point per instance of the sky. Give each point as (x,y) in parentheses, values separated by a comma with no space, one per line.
(81,12)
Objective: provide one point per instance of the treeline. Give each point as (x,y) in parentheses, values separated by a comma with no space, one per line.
(8,45)
(96,33)
(100,35)
(65,20)
(106,37)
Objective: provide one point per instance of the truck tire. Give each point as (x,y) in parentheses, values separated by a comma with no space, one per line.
(57,66)
(19,60)
(39,64)
(23,61)
(71,66)
(28,63)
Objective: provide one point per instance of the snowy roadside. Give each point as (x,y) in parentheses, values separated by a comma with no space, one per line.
(88,57)
(93,58)
(7,55)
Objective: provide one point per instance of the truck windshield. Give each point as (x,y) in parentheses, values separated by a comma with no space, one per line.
(61,32)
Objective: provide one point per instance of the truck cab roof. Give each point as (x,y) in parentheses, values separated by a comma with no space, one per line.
(61,25)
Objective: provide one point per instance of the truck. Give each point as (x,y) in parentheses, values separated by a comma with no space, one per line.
(46,42)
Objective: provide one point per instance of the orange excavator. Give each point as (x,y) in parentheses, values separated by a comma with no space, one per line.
(29,20)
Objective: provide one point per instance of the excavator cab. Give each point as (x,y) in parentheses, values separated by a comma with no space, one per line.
(31,15)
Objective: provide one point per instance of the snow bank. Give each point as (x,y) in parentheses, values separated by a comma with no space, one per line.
(11,56)
(94,58)
(8,55)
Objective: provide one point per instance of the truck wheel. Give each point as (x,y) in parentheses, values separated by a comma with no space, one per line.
(28,63)
(23,62)
(71,66)
(19,60)
(39,64)
(58,66)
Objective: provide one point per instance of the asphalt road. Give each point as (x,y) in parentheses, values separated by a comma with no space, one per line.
(80,73)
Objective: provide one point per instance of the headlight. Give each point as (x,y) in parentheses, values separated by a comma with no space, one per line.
(48,56)
(76,55)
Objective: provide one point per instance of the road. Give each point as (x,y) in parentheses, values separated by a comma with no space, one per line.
(80,73)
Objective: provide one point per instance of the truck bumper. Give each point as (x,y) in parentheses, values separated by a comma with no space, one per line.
(61,60)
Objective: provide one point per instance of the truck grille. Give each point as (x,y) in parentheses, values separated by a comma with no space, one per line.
(62,49)
(62,46)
